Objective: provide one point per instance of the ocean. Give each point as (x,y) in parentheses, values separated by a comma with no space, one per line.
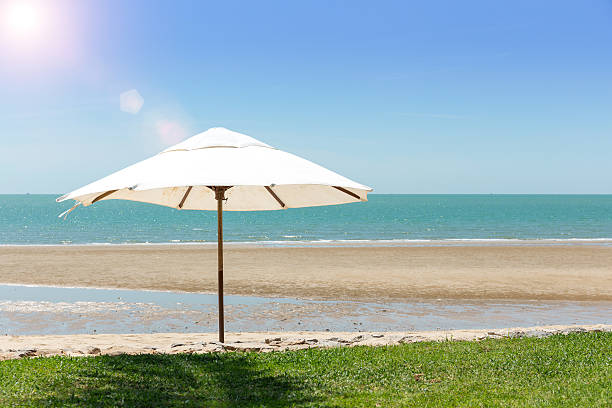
(32,219)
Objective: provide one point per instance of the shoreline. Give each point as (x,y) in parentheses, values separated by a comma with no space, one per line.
(301,298)
(13,347)
(44,310)
(345,243)
(365,273)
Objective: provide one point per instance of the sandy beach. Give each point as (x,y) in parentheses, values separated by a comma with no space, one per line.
(555,272)
(171,343)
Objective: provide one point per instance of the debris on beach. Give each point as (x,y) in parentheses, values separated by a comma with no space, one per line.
(12,347)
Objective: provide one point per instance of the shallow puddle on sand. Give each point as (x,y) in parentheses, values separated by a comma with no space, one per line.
(52,310)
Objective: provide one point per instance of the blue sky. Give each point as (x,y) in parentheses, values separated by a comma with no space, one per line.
(407,97)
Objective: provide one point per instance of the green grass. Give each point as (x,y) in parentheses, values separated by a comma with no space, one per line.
(572,370)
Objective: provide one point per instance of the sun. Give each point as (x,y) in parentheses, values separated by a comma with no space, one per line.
(23,18)
(37,34)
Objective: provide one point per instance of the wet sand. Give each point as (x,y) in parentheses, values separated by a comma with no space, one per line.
(170,343)
(46,310)
(399,273)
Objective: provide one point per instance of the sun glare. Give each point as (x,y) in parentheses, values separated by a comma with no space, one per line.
(23,18)
(37,34)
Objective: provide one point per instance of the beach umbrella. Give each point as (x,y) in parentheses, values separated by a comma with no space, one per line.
(220,169)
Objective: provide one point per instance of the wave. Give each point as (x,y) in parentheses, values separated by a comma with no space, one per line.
(345,242)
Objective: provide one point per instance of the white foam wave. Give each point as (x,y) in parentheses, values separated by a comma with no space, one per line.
(372,242)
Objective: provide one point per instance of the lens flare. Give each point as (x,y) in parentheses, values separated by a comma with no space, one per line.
(170,132)
(131,101)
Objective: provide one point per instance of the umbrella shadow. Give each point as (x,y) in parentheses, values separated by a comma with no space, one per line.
(204,380)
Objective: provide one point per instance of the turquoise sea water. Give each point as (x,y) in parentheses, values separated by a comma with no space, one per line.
(32,220)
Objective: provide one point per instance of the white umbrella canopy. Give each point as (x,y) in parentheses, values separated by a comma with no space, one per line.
(221,169)
(261,177)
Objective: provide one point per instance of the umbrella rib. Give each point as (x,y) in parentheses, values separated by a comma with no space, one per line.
(273,194)
(344,190)
(185,197)
(103,195)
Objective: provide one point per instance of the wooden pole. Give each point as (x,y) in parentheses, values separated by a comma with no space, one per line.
(220,196)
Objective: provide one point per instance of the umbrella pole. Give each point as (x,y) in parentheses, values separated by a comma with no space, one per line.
(219,196)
